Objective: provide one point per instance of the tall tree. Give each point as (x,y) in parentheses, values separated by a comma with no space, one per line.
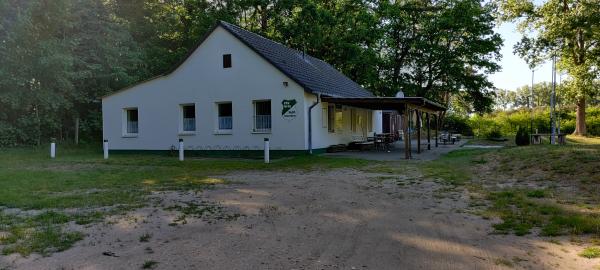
(567,29)
(437,49)
(58,57)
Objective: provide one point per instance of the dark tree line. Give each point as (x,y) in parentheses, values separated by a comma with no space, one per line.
(58,57)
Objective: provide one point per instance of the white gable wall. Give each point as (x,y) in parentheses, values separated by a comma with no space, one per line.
(202,80)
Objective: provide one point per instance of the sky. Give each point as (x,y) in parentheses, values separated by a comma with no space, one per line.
(515,72)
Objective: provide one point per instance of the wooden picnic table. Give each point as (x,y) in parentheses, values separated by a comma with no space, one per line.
(536,138)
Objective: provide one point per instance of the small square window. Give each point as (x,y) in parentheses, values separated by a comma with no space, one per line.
(226,60)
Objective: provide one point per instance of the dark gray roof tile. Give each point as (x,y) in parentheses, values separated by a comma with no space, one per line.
(315,75)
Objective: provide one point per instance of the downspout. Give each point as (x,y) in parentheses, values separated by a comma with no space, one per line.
(310,149)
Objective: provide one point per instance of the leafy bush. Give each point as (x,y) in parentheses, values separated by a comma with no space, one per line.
(8,135)
(458,124)
(508,122)
(522,137)
(494,133)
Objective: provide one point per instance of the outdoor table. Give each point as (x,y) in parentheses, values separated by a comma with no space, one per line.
(536,138)
(382,140)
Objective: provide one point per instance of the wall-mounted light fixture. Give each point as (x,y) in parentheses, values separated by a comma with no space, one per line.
(285,84)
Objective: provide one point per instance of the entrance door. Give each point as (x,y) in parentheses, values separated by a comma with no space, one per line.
(386,122)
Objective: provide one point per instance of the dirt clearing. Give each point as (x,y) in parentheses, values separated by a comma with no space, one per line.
(336,219)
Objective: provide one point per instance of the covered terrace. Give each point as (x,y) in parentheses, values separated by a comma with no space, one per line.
(419,108)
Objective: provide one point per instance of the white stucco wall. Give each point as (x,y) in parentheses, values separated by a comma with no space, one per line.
(202,80)
(321,137)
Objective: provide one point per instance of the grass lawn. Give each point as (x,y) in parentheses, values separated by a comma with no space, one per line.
(543,189)
(553,190)
(40,196)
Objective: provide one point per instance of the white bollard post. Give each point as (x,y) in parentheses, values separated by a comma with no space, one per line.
(52,150)
(180,149)
(105,149)
(267,160)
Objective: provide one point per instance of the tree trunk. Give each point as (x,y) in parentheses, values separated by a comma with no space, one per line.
(76,130)
(580,128)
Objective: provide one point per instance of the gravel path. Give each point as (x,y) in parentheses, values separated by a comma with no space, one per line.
(339,219)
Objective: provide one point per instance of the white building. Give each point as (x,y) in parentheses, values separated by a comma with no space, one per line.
(235,89)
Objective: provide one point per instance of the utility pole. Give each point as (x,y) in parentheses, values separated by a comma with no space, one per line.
(530,103)
(552,101)
(558,103)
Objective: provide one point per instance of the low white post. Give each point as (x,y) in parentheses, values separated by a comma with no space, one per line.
(52,149)
(181,150)
(267,160)
(105,145)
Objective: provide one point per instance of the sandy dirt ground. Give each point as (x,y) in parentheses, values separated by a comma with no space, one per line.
(338,219)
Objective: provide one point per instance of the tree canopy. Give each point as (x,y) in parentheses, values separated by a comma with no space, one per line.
(60,56)
(567,29)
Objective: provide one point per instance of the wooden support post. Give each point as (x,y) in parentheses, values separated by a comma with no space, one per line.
(437,126)
(418,127)
(406,135)
(428,132)
(410,121)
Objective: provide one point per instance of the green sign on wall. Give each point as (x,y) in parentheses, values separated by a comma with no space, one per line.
(289,110)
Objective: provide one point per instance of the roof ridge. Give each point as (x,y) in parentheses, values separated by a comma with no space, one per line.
(263,37)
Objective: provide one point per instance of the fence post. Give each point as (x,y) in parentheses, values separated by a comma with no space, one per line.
(267,158)
(105,146)
(181,150)
(52,149)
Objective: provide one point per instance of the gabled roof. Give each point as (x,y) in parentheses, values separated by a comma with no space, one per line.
(315,75)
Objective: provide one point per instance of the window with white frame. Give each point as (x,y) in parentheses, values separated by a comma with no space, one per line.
(262,116)
(131,117)
(188,119)
(225,117)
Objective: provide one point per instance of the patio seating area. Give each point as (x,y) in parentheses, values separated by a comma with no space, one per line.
(395,151)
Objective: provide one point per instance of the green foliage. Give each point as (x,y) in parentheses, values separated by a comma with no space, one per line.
(41,233)
(509,121)
(458,124)
(520,214)
(149,264)
(60,56)
(494,133)
(522,137)
(524,97)
(559,32)
(426,52)
(590,252)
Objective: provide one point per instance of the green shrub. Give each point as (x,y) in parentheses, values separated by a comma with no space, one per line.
(508,122)
(493,133)
(522,137)
(458,124)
